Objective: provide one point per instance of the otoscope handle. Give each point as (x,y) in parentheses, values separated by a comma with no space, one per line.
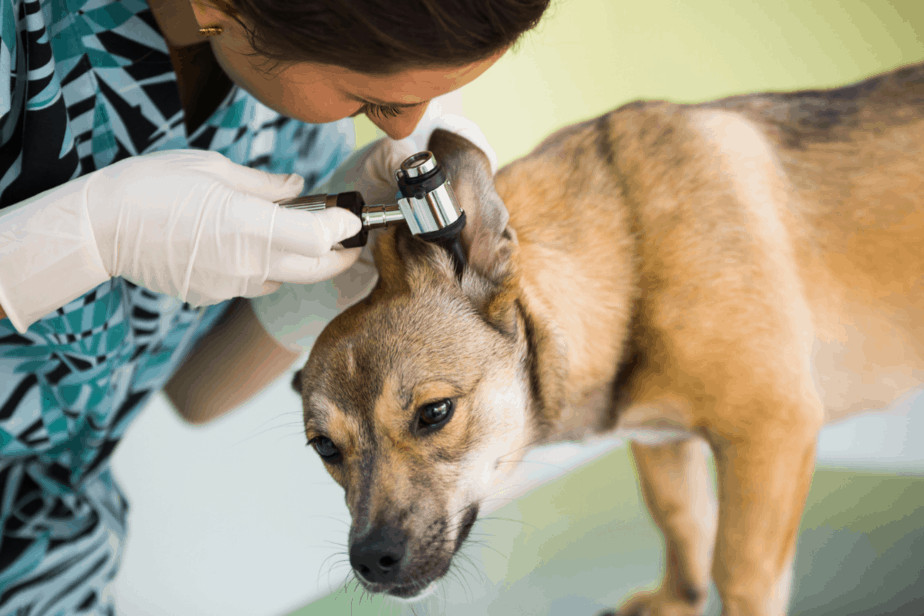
(352,201)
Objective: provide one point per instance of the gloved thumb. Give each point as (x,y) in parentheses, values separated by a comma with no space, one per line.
(313,234)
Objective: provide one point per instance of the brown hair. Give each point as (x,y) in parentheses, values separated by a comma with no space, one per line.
(385,36)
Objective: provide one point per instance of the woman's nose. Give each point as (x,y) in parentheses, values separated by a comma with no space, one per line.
(401,125)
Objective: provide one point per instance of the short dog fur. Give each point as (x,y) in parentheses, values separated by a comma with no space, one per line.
(736,272)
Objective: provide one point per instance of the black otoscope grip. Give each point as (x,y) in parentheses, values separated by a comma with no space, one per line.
(352,201)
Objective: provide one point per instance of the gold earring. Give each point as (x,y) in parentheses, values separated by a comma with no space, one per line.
(210,31)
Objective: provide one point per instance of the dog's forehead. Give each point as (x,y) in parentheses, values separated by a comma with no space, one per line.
(404,342)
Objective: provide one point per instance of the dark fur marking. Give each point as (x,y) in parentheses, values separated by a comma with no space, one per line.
(468,521)
(364,489)
(632,362)
(806,117)
(508,334)
(604,141)
(422,473)
(409,246)
(357,396)
(447,455)
(405,396)
(297,382)
(663,138)
(692,595)
(535,379)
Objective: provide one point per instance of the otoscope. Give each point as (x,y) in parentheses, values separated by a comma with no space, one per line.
(425,202)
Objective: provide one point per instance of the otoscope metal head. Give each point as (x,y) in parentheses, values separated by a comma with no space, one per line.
(425,201)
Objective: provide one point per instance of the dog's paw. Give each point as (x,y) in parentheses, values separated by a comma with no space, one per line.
(659,604)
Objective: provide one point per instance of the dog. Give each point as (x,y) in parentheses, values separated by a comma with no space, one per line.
(737,272)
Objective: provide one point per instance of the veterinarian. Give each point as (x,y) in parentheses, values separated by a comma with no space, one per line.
(141,149)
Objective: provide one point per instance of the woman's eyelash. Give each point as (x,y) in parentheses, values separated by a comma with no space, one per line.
(381,111)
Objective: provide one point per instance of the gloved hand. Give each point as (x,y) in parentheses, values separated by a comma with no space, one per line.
(296,314)
(187,223)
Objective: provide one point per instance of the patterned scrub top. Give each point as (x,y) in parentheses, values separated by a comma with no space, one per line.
(84,84)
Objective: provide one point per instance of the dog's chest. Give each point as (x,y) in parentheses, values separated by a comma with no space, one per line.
(652,424)
(594,415)
(863,374)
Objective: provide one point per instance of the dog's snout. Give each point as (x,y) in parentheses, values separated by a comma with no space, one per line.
(377,557)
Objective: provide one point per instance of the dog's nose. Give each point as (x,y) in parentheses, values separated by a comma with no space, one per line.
(377,557)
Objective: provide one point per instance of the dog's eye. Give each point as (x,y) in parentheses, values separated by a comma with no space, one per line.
(326,448)
(436,413)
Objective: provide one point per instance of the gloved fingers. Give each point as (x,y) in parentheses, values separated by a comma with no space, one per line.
(313,234)
(269,186)
(299,269)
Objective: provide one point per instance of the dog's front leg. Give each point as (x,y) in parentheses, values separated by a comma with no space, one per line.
(675,483)
(764,473)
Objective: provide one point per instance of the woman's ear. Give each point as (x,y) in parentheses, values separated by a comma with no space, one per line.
(487,240)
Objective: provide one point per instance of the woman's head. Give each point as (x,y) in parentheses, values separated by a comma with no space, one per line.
(321,60)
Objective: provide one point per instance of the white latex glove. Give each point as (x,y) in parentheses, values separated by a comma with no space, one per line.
(296,314)
(187,223)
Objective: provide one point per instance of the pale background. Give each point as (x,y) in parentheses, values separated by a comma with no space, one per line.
(239,517)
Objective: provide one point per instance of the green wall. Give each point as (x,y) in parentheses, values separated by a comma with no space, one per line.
(590,56)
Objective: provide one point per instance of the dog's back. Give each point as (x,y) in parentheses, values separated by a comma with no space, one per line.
(828,186)
(853,159)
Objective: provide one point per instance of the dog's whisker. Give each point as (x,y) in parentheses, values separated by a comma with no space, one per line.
(537,462)
(344,585)
(455,571)
(465,582)
(500,519)
(466,585)
(341,586)
(481,574)
(528,445)
(492,548)
(324,562)
(280,416)
(247,439)
(327,517)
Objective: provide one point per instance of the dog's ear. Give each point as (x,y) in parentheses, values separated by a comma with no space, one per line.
(297,382)
(487,240)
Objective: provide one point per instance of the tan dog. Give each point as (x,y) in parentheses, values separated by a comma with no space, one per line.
(739,271)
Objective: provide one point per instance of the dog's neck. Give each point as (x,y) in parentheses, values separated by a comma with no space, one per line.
(577,379)
(576,279)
